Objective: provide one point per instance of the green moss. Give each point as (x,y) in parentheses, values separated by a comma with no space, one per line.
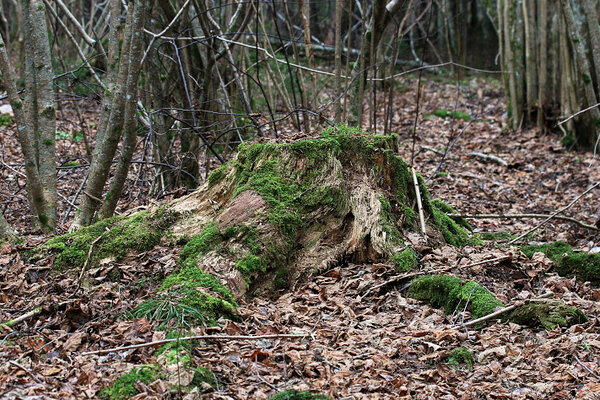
(124,387)
(388,221)
(49,112)
(405,260)
(568,140)
(450,292)
(200,244)
(568,262)
(140,232)
(461,356)
(218,174)
(295,395)
(204,376)
(250,264)
(5,120)
(547,314)
(454,232)
(586,79)
(282,277)
(48,142)
(451,114)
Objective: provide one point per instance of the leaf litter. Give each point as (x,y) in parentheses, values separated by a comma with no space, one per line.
(361,344)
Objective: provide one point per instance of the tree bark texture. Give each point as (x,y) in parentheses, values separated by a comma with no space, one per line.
(35,114)
(539,92)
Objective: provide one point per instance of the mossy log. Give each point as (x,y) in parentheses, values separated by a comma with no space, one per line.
(568,262)
(455,294)
(274,215)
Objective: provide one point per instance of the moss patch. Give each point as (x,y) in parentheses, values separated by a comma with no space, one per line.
(140,232)
(568,262)
(548,314)
(455,233)
(405,260)
(124,387)
(295,395)
(461,356)
(450,114)
(450,293)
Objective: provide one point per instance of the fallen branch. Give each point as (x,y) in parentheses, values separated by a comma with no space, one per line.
(23,317)
(506,216)
(495,159)
(501,311)
(200,337)
(555,214)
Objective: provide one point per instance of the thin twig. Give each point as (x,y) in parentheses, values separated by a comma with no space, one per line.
(555,214)
(23,317)
(484,156)
(200,337)
(35,378)
(505,216)
(577,113)
(419,203)
(586,368)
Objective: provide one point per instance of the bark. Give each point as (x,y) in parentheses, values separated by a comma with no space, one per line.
(113,112)
(338,59)
(5,230)
(35,115)
(134,57)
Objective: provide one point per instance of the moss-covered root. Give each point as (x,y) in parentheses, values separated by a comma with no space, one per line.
(568,262)
(547,314)
(450,293)
(294,395)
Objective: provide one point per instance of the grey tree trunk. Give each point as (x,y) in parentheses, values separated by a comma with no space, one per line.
(5,229)
(35,114)
(114,117)
(540,92)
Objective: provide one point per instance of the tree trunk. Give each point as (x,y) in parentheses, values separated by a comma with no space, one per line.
(113,115)
(542,93)
(5,230)
(35,115)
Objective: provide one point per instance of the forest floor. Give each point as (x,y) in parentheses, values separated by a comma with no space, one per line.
(360,343)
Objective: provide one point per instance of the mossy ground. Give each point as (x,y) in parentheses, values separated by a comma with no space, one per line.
(461,356)
(568,262)
(124,387)
(295,395)
(453,294)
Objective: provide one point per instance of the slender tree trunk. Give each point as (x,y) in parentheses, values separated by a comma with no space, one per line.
(113,114)
(5,230)
(35,115)
(339,4)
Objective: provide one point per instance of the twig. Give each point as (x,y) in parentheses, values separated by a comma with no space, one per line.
(586,367)
(35,378)
(577,113)
(200,337)
(503,216)
(555,214)
(495,159)
(419,204)
(23,317)
(492,315)
(517,304)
